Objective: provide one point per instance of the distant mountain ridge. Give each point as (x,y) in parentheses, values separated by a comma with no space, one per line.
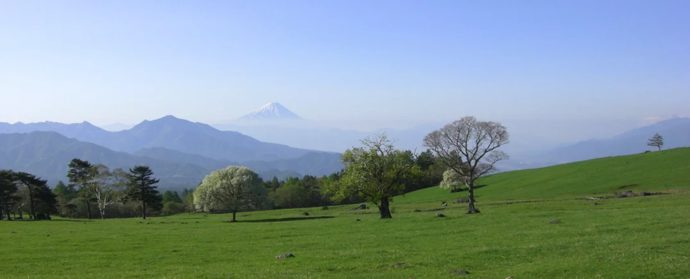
(168,142)
(171,133)
(676,133)
(47,155)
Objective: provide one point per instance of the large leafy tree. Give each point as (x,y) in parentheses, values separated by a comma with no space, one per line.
(82,174)
(376,172)
(142,188)
(233,188)
(470,148)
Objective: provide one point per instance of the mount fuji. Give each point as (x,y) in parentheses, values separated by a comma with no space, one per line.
(271,112)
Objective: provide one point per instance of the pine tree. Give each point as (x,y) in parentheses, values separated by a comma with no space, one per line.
(656,141)
(142,188)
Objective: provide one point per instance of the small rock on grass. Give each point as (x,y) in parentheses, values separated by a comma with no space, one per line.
(285,256)
(555,221)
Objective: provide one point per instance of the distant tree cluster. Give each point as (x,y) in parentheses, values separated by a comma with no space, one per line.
(113,193)
(23,193)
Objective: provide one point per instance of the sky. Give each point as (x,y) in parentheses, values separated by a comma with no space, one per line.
(550,70)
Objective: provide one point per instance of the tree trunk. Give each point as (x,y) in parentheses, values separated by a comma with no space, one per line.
(384,209)
(32,211)
(143,210)
(471,208)
(234,215)
(88,208)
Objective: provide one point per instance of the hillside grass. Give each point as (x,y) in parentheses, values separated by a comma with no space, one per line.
(544,231)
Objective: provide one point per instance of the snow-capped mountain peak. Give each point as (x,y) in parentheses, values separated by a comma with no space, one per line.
(271,111)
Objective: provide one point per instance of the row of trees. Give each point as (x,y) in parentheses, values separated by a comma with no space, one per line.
(375,172)
(115,193)
(97,185)
(238,188)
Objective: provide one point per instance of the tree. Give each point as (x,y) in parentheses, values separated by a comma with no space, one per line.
(376,172)
(32,183)
(656,141)
(296,193)
(470,148)
(141,187)
(65,194)
(46,202)
(105,187)
(172,203)
(41,199)
(233,188)
(452,181)
(8,189)
(82,174)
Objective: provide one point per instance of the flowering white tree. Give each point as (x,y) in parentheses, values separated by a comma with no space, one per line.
(452,181)
(233,188)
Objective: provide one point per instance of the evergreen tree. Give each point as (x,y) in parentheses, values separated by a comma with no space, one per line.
(142,188)
(656,141)
(7,193)
(82,175)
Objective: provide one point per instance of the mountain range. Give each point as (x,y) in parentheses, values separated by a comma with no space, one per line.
(168,144)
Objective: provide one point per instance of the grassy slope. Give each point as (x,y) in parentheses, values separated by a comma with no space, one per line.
(655,171)
(616,238)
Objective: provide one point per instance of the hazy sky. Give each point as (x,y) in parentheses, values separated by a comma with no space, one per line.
(560,70)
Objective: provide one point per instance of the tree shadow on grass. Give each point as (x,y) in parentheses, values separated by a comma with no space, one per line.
(287,219)
(67,220)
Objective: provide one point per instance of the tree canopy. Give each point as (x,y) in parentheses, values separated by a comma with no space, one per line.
(376,172)
(233,188)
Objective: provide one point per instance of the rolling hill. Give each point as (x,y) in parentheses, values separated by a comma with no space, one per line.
(667,170)
(676,133)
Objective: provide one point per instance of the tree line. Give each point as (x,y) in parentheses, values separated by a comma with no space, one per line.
(466,150)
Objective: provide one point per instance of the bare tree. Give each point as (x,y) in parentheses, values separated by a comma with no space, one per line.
(656,141)
(470,148)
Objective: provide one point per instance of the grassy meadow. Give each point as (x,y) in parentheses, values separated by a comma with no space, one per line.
(539,223)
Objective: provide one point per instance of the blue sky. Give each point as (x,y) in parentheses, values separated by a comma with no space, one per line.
(557,70)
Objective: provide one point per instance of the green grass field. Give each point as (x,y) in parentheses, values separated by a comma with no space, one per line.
(534,224)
